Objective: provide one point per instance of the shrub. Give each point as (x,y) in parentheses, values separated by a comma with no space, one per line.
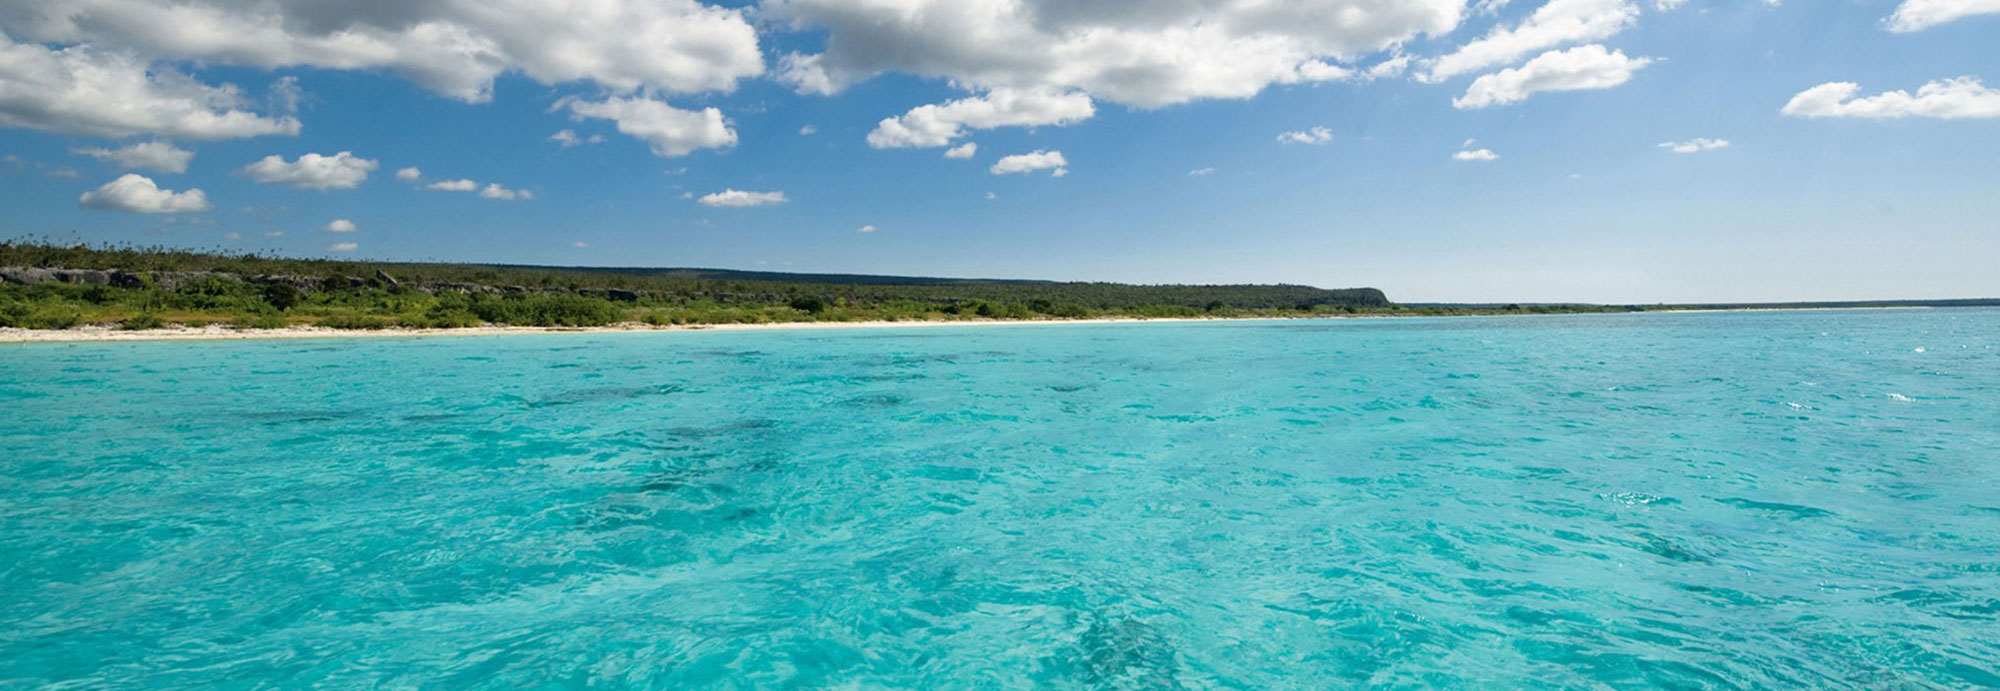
(809,305)
(259,320)
(1069,310)
(351,320)
(142,321)
(548,310)
(281,295)
(441,317)
(45,316)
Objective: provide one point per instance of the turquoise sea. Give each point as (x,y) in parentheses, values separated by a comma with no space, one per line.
(1730,500)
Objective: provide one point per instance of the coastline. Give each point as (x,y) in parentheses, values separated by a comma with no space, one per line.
(105,333)
(99,333)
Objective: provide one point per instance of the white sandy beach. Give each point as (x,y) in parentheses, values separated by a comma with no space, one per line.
(96,333)
(104,332)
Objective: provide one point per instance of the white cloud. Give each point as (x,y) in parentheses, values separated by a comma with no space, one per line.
(1917,15)
(966,150)
(343,247)
(991,196)
(1695,145)
(939,124)
(1385,69)
(90,91)
(808,130)
(274,233)
(411,174)
(1477,155)
(459,185)
(1201,172)
(495,191)
(581,245)
(671,131)
(134,193)
(341,226)
(343,170)
(1143,54)
(1557,23)
(1030,162)
(739,198)
(1582,68)
(568,138)
(865,229)
(453,47)
(1950,99)
(155,155)
(1314,136)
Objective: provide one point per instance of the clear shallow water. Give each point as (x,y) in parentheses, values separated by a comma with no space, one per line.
(1685,500)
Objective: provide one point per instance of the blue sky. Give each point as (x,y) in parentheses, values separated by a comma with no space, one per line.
(1442,150)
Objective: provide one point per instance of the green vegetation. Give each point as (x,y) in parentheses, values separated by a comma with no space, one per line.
(46,286)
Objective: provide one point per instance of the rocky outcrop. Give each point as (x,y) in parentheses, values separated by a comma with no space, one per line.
(32,275)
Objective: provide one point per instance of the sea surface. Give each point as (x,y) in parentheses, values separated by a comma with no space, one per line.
(1729,500)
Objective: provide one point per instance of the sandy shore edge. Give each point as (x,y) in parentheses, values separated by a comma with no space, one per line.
(102,333)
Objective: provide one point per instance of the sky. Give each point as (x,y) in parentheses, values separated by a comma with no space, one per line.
(1615,151)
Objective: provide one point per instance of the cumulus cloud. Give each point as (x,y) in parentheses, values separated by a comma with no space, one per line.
(865,229)
(671,131)
(91,91)
(569,138)
(459,185)
(134,193)
(1917,15)
(411,174)
(156,156)
(1030,162)
(966,150)
(1143,54)
(1949,99)
(939,124)
(1695,145)
(452,47)
(341,226)
(1583,68)
(495,191)
(1557,23)
(1476,155)
(343,171)
(739,198)
(343,247)
(490,190)
(1314,136)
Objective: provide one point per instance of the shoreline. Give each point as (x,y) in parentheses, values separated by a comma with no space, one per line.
(99,333)
(106,333)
